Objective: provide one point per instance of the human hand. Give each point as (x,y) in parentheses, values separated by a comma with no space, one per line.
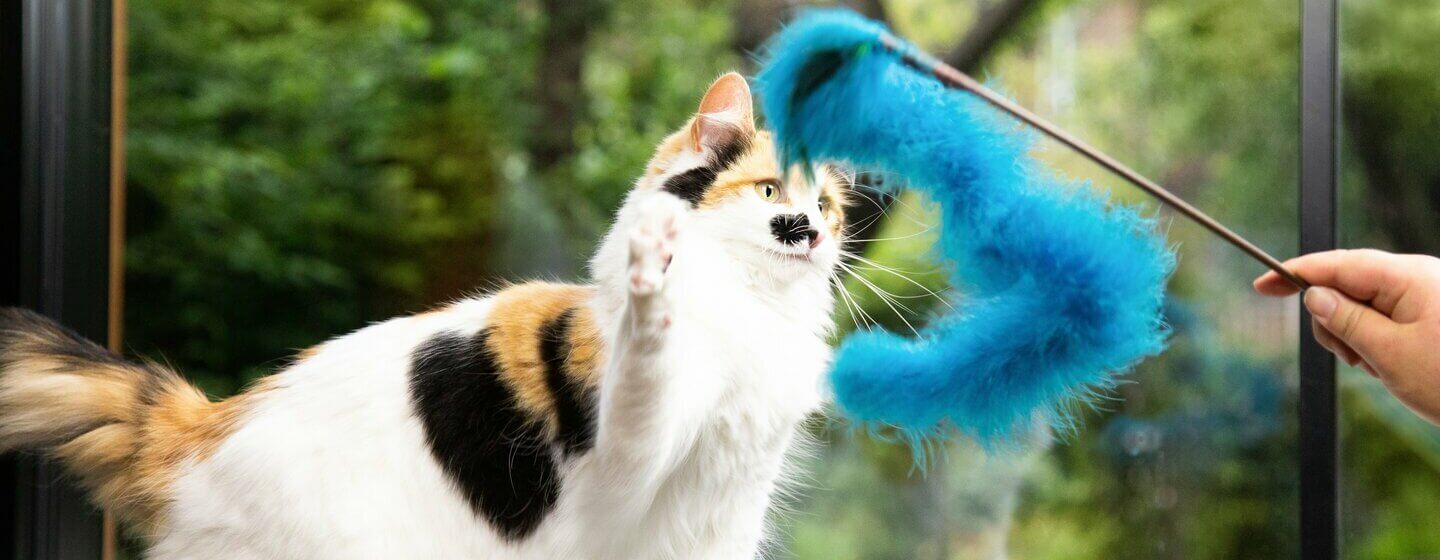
(1377,311)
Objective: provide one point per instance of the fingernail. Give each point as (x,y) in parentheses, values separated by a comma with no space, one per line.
(1321,302)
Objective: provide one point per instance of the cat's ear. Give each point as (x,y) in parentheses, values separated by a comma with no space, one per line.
(726,114)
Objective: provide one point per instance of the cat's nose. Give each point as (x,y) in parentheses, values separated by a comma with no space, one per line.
(816,237)
(809,236)
(793,229)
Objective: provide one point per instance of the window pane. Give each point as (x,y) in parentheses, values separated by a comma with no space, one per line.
(1196,457)
(1390,199)
(300,167)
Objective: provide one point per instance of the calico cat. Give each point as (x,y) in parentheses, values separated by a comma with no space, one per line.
(644,416)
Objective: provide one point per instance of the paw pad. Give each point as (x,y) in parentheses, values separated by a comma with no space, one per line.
(652,243)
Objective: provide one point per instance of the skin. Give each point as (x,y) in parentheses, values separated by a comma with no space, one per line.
(1376,311)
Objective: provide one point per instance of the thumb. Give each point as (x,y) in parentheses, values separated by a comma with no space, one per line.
(1356,324)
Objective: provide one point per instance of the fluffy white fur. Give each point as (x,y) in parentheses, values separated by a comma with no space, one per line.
(714,362)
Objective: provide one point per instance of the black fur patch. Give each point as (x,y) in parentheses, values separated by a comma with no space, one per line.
(792,228)
(574,405)
(691,185)
(499,460)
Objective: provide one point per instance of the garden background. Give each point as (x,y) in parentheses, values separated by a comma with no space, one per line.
(298,168)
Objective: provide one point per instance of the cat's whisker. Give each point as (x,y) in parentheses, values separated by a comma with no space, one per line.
(897,238)
(888,299)
(911,210)
(887,268)
(872,265)
(885,293)
(860,226)
(856,257)
(878,202)
(865,316)
(850,306)
(859,310)
(921,296)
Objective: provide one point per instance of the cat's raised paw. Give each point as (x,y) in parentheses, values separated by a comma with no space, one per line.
(652,243)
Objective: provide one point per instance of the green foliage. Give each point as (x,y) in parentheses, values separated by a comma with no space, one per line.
(300,167)
(1389,110)
(295,168)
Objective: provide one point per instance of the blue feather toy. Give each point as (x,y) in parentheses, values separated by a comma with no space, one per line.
(1062,290)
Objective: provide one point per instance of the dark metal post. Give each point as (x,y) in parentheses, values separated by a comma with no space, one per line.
(9,229)
(54,229)
(1319,172)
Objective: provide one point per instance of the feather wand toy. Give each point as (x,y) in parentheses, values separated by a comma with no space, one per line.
(1063,290)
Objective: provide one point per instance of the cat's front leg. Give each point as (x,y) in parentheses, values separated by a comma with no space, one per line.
(637,432)
(652,245)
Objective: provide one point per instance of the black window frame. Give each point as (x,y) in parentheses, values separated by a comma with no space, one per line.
(54,230)
(1319,446)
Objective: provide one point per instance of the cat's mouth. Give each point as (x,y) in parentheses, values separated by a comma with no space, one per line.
(786,256)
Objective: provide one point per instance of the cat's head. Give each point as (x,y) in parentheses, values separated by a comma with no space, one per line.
(727,172)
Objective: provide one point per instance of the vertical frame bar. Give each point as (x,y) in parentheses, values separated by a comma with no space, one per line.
(1319,172)
(56,229)
(10,116)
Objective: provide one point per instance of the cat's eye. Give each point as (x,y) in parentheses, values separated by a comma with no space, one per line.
(769,190)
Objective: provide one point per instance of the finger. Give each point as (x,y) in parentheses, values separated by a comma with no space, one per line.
(1364,330)
(1272,284)
(1333,344)
(1361,274)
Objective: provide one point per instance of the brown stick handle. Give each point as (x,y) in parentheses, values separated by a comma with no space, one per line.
(954,78)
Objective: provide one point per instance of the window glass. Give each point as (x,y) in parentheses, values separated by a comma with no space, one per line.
(1195,456)
(297,168)
(1389,199)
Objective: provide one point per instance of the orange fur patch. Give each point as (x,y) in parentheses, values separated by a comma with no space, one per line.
(515,326)
(669,149)
(180,425)
(309,352)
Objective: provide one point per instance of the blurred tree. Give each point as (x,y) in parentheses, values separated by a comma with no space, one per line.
(568,24)
(1391,114)
(994,23)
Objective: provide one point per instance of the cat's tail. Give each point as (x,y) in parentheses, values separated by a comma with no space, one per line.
(117,426)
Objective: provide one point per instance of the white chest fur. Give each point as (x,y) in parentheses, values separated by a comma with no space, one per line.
(732,412)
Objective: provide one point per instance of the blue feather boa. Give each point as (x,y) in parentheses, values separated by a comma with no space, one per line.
(1062,290)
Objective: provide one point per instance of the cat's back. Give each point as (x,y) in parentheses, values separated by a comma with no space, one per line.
(438,435)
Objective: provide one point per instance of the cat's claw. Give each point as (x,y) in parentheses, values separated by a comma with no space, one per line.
(652,243)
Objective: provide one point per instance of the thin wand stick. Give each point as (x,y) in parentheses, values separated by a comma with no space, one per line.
(954,78)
